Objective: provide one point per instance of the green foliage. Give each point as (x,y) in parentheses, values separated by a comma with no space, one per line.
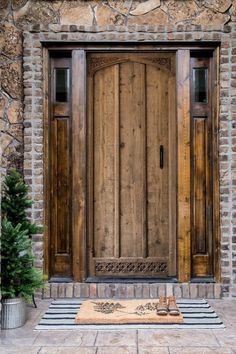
(15,202)
(18,276)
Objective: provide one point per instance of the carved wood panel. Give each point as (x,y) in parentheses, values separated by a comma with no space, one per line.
(98,62)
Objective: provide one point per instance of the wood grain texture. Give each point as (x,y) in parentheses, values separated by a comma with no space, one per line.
(104,162)
(199,184)
(202,174)
(151,82)
(132,159)
(183,119)
(60,180)
(157,178)
(172,175)
(79,164)
(130,199)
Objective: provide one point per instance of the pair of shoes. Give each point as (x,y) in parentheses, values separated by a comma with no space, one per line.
(167,305)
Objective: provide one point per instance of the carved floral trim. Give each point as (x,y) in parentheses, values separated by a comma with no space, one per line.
(96,63)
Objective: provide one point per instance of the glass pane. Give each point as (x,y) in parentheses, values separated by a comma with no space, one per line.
(62,85)
(200,84)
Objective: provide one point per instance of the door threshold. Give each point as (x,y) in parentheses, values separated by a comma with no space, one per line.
(203,280)
(130,280)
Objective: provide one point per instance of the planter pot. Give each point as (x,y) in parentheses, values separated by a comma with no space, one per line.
(13,313)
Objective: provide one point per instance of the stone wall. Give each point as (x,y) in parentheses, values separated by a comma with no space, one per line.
(15,14)
(159,20)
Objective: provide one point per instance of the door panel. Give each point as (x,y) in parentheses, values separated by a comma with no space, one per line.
(131,198)
(201,167)
(60,169)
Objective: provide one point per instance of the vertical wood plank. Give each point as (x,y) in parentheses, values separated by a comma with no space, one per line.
(157,178)
(53,196)
(79,163)
(90,251)
(132,158)
(199,184)
(183,118)
(63,186)
(172,176)
(104,161)
(117,160)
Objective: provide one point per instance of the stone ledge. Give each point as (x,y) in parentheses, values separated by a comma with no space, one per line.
(132,290)
(37,28)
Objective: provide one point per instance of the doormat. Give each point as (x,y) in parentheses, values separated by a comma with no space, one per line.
(197,314)
(134,311)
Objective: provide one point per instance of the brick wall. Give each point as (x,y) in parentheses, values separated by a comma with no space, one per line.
(151,20)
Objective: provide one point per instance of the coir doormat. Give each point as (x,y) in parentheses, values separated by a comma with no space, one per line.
(122,312)
(197,314)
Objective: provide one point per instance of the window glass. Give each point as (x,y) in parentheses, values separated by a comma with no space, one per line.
(62,85)
(200,78)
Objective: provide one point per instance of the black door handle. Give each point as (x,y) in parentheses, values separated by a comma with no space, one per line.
(161,156)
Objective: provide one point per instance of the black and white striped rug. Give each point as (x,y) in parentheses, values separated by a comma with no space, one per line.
(197,314)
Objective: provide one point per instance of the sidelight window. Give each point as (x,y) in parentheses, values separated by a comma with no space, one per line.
(62,83)
(200,78)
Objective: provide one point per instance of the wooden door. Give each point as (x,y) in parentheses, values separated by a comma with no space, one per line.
(131,172)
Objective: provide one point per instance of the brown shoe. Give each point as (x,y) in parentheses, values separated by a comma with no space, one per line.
(162,307)
(172,306)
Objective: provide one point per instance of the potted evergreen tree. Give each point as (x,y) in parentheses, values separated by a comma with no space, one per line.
(19,279)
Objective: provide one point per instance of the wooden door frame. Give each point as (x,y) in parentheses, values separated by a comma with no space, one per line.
(79,139)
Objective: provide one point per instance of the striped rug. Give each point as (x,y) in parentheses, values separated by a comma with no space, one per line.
(196,313)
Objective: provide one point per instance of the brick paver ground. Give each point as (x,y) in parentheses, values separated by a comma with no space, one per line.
(26,340)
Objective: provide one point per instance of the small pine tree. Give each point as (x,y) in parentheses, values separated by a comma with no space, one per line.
(15,202)
(18,277)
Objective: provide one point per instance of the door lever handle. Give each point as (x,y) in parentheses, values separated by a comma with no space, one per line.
(161,156)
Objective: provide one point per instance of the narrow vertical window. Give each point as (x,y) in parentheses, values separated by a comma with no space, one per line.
(62,79)
(200,79)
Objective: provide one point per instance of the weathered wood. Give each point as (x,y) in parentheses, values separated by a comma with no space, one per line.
(172,175)
(149,182)
(79,164)
(183,119)
(202,174)
(104,162)
(199,184)
(130,114)
(132,159)
(60,180)
(158,179)
(117,161)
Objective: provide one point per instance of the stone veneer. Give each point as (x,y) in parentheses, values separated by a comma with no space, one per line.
(129,20)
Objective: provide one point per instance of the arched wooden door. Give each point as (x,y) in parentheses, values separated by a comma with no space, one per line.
(131,165)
